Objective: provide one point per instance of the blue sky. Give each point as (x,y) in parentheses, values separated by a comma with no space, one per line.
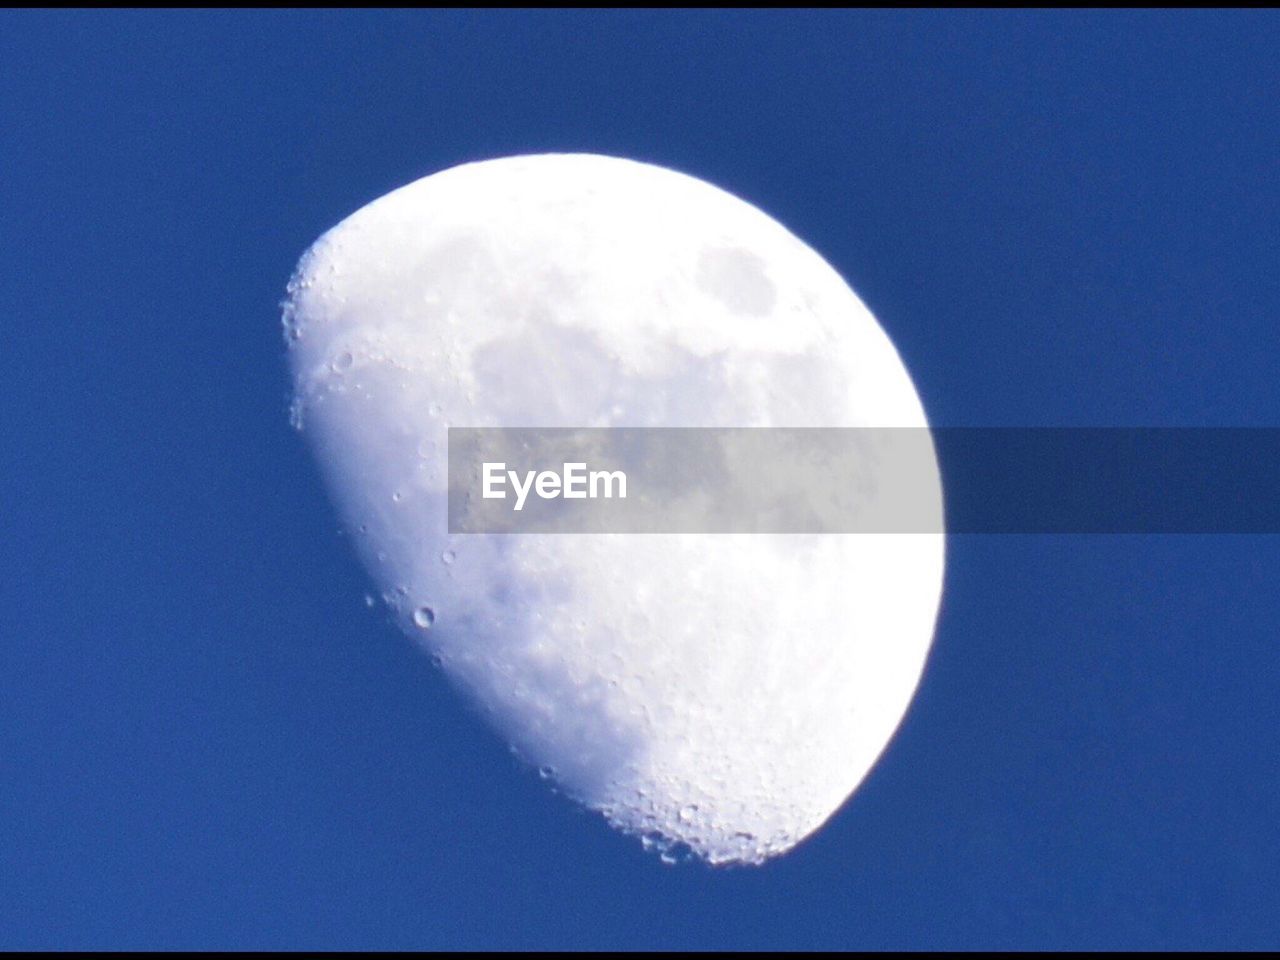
(208,740)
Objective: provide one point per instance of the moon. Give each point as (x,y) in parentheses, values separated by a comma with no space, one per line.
(718,696)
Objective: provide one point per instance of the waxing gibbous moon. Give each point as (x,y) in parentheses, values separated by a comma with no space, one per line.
(719,694)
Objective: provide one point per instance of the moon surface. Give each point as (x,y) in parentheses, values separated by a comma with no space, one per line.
(715,695)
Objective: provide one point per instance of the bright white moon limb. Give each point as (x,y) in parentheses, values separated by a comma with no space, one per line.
(724,692)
